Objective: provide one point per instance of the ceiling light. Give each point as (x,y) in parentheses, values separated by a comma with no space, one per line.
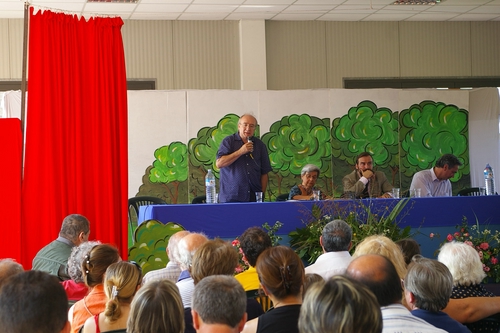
(416,2)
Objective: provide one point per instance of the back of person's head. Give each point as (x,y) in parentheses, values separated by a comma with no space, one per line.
(215,257)
(219,299)
(35,302)
(253,242)
(340,305)
(379,275)
(463,262)
(382,245)
(9,267)
(76,258)
(448,159)
(409,247)
(157,307)
(309,280)
(430,282)
(73,225)
(121,282)
(187,247)
(96,261)
(173,245)
(281,271)
(336,236)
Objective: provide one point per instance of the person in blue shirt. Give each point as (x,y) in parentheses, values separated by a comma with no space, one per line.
(243,162)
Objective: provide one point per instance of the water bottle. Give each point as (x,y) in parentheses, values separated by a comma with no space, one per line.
(210,186)
(489,180)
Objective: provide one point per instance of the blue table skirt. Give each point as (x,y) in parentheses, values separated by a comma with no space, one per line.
(424,214)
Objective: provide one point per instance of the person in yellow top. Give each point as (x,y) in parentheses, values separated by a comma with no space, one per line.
(253,242)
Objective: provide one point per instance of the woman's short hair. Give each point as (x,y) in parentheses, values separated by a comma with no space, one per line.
(309,280)
(281,271)
(76,257)
(157,307)
(463,262)
(309,168)
(378,244)
(215,257)
(120,285)
(96,261)
(340,305)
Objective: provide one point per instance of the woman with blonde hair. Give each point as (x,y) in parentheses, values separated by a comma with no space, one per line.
(281,274)
(157,308)
(121,282)
(94,265)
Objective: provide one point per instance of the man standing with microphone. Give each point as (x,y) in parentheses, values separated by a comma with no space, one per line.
(243,162)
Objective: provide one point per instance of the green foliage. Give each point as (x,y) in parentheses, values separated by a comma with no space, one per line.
(170,164)
(271,231)
(366,128)
(360,216)
(151,239)
(297,140)
(429,130)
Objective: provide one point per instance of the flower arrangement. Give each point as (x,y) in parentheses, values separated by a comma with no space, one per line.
(360,216)
(271,231)
(484,241)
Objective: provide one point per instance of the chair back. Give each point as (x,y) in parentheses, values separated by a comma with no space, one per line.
(260,297)
(282,197)
(201,199)
(469,192)
(134,204)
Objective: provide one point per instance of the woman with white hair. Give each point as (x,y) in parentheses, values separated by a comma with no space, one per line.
(466,268)
(304,191)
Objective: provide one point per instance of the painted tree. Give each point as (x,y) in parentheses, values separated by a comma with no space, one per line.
(366,128)
(170,168)
(295,141)
(430,129)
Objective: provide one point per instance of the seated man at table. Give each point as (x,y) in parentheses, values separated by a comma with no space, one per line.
(243,162)
(435,182)
(363,182)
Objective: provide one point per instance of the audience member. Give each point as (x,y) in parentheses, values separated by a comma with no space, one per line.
(380,276)
(253,242)
(172,270)
(363,182)
(435,182)
(467,270)
(219,304)
(428,285)
(281,275)
(121,282)
(409,247)
(187,247)
(309,280)
(244,164)
(309,175)
(94,265)
(157,307)
(335,240)
(9,267)
(340,305)
(75,288)
(33,301)
(53,258)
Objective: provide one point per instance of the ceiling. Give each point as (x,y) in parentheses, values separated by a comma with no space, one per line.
(296,10)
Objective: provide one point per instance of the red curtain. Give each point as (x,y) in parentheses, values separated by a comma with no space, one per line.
(76,133)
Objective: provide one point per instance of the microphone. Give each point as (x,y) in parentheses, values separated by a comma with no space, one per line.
(249,140)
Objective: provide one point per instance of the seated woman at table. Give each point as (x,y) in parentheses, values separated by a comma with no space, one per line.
(304,191)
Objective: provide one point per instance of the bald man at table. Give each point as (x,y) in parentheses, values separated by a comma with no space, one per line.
(243,162)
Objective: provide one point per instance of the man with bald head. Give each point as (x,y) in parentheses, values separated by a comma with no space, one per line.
(380,276)
(172,270)
(243,162)
(186,248)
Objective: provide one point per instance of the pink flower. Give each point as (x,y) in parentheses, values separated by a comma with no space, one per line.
(456,234)
(469,243)
(484,246)
(238,269)
(480,255)
(466,234)
(494,260)
(431,235)
(235,243)
(486,268)
(449,237)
